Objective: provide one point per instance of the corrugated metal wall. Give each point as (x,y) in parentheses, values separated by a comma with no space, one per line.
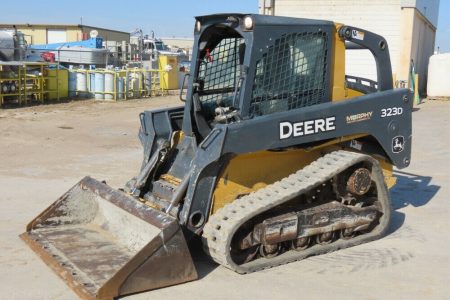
(422,47)
(108,35)
(34,35)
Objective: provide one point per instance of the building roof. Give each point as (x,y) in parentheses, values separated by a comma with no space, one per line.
(59,26)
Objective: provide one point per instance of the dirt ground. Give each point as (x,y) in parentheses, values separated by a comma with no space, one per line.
(45,150)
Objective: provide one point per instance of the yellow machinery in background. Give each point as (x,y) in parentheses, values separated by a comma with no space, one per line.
(57,83)
(169,76)
(26,82)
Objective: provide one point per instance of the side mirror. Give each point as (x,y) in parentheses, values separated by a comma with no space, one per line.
(187,75)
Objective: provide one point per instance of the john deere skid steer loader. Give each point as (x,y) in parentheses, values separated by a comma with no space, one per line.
(276,155)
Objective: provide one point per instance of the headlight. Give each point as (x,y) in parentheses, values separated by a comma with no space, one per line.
(248,22)
(198,26)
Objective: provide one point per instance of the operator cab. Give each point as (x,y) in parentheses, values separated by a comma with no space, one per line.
(246,68)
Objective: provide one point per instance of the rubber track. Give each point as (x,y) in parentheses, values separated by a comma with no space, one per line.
(221,227)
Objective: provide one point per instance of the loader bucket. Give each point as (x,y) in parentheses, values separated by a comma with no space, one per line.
(105,244)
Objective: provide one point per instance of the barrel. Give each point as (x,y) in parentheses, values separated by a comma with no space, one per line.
(109,86)
(91,85)
(99,86)
(13,87)
(81,84)
(120,84)
(148,83)
(72,84)
(133,84)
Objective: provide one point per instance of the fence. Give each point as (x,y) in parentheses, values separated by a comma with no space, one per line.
(120,84)
(24,81)
(28,81)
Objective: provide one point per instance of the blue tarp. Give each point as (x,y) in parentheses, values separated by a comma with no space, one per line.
(93,43)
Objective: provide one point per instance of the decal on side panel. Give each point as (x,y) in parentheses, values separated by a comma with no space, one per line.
(398,144)
(303,128)
(391,111)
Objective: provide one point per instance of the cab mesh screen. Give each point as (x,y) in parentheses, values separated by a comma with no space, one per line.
(218,71)
(291,74)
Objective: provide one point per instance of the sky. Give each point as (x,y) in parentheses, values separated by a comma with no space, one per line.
(165,17)
(443,30)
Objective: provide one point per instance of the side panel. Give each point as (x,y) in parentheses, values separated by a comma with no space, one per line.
(225,180)
(251,171)
(383,115)
(370,115)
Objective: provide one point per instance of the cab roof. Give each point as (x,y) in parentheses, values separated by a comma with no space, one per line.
(263,20)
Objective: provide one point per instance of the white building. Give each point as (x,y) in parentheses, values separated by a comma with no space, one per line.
(409,26)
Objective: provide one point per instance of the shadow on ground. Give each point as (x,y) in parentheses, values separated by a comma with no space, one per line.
(411,189)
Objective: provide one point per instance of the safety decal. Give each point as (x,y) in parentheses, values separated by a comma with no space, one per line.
(358,35)
(356,144)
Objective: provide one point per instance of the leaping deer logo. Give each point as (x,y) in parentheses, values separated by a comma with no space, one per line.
(398,144)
